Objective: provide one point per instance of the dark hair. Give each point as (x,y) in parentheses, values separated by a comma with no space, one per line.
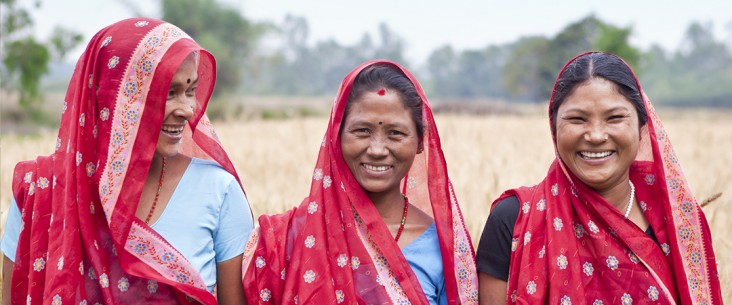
(603,65)
(388,76)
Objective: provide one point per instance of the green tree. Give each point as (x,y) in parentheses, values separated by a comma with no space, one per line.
(525,70)
(615,40)
(443,67)
(391,46)
(220,29)
(29,60)
(24,58)
(699,73)
(299,68)
(587,34)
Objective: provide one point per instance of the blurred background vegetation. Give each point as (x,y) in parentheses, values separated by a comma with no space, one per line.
(275,59)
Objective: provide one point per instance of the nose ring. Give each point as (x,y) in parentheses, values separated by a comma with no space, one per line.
(605,138)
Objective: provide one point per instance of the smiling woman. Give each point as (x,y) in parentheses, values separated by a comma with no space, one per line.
(381,224)
(582,235)
(133,141)
(180,106)
(598,136)
(379,142)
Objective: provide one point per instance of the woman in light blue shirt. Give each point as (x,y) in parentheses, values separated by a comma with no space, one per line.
(138,203)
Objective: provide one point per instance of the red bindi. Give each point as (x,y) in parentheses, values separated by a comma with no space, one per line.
(381,92)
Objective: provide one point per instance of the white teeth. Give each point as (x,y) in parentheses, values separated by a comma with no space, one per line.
(171,129)
(376,168)
(590,155)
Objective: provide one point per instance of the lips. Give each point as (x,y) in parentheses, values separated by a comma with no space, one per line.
(595,155)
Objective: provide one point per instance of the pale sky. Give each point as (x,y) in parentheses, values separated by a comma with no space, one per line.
(428,24)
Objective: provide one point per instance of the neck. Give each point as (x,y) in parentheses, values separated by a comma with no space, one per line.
(390,205)
(618,195)
(156,164)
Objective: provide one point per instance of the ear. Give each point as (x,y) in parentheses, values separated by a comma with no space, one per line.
(420,147)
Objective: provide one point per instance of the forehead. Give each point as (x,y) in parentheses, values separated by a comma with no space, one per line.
(371,105)
(595,94)
(188,68)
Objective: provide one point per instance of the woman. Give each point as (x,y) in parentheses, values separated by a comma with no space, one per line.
(381,224)
(614,221)
(139,203)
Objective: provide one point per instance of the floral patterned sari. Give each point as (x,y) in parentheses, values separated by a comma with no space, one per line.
(80,241)
(335,249)
(570,246)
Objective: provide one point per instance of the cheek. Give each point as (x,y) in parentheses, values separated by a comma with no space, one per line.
(191,102)
(563,149)
(634,142)
(567,136)
(347,148)
(628,134)
(409,151)
(169,107)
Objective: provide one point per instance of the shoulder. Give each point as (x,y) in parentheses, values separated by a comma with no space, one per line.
(205,164)
(505,211)
(209,176)
(494,249)
(209,170)
(500,222)
(427,243)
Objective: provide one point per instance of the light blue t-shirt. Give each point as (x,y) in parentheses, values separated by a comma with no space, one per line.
(207,219)
(424,256)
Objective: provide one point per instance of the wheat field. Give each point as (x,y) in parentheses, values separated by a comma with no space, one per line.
(485,155)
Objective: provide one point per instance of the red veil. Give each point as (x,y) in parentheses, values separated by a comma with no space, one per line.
(570,246)
(334,248)
(80,242)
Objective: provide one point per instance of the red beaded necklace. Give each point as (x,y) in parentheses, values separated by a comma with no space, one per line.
(157,194)
(404,218)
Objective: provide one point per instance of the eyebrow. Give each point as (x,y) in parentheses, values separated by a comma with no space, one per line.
(385,125)
(617,108)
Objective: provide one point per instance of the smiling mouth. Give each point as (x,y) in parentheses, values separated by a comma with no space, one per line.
(595,155)
(375,168)
(172,130)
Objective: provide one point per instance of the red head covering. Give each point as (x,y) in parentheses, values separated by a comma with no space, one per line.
(80,241)
(571,246)
(335,248)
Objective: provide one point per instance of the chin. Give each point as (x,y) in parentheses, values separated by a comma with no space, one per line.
(377,189)
(370,187)
(596,183)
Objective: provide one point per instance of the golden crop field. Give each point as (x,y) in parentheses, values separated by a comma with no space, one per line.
(485,155)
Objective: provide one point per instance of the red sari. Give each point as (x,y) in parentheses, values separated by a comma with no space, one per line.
(80,242)
(571,246)
(335,249)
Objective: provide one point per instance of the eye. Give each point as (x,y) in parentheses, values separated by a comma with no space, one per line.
(616,118)
(361,131)
(171,93)
(395,132)
(575,119)
(191,91)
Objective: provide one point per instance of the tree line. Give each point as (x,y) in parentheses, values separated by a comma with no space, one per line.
(697,74)
(276,58)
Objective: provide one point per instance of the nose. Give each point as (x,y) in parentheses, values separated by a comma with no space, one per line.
(377,147)
(596,134)
(185,107)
